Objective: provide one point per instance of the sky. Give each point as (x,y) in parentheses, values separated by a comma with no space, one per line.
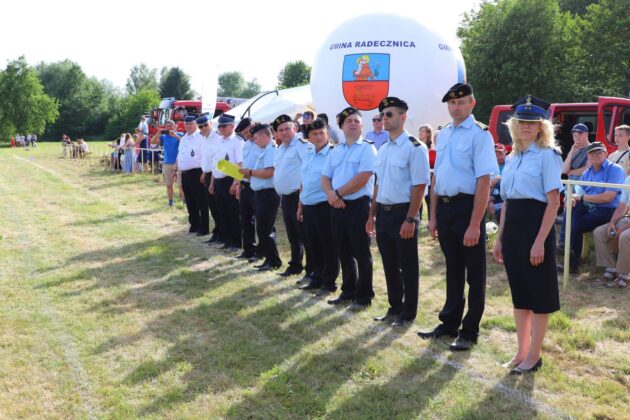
(256,38)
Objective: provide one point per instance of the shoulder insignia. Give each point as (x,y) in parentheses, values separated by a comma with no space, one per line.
(482,125)
(332,146)
(414,141)
(303,140)
(368,141)
(557,151)
(443,126)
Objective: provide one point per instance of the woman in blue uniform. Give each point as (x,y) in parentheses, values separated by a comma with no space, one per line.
(530,187)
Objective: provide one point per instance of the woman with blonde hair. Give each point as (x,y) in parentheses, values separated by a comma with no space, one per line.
(130,155)
(526,244)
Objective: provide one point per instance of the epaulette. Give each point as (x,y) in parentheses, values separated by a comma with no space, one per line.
(443,126)
(332,146)
(368,141)
(557,151)
(414,141)
(303,140)
(481,125)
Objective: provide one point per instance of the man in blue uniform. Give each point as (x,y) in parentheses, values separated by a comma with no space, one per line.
(461,185)
(245,194)
(286,179)
(402,174)
(348,181)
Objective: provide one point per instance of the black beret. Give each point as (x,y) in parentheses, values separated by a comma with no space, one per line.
(323,116)
(458,90)
(392,101)
(245,122)
(280,120)
(315,125)
(258,127)
(347,112)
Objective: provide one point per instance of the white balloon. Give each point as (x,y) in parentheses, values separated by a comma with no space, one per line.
(373,56)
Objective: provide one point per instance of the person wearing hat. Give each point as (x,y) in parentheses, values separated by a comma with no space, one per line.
(530,188)
(286,179)
(210,145)
(574,165)
(348,181)
(495,202)
(314,212)
(464,164)
(402,175)
(189,162)
(593,206)
(244,192)
(229,148)
(266,200)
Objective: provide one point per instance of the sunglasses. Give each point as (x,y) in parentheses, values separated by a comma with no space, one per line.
(204,125)
(376,120)
(222,126)
(388,114)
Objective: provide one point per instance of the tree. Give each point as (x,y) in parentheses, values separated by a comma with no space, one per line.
(252,89)
(175,83)
(25,107)
(141,77)
(603,57)
(577,7)
(294,73)
(231,84)
(83,103)
(131,108)
(505,62)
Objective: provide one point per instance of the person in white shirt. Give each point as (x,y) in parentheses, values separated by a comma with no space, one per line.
(189,162)
(211,140)
(230,148)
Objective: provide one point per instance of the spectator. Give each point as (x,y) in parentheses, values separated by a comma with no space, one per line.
(12,141)
(594,206)
(143,127)
(307,118)
(34,140)
(621,156)
(142,151)
(425,133)
(377,135)
(81,148)
(614,238)
(332,134)
(130,143)
(495,202)
(66,144)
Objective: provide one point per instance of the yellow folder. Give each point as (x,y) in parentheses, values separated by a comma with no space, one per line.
(230,169)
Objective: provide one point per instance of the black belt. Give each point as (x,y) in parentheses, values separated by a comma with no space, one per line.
(190,170)
(290,194)
(245,184)
(392,207)
(461,196)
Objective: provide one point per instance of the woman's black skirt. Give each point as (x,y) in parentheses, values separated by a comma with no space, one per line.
(533,288)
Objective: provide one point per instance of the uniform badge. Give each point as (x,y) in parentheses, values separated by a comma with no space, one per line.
(192,153)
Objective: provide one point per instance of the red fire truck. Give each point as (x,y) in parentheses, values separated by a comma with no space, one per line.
(601,117)
(176,110)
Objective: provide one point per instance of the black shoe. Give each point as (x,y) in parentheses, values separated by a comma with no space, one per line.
(269,267)
(389,316)
(212,239)
(232,248)
(461,344)
(356,307)
(402,323)
(519,371)
(572,269)
(253,259)
(305,279)
(225,246)
(323,292)
(244,256)
(339,300)
(437,332)
(203,233)
(290,271)
(264,263)
(310,286)
(191,231)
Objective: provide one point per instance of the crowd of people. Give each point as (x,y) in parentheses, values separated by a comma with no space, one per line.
(21,140)
(132,152)
(338,189)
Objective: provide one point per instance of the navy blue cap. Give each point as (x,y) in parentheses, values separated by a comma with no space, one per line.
(346,113)
(202,120)
(280,120)
(580,128)
(226,119)
(458,90)
(530,108)
(189,118)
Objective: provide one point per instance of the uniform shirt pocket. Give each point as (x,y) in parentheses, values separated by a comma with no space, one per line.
(399,172)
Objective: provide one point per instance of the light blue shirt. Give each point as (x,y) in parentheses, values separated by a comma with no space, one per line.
(625,194)
(289,158)
(345,162)
(610,173)
(531,174)
(264,159)
(401,164)
(463,154)
(250,153)
(312,167)
(379,139)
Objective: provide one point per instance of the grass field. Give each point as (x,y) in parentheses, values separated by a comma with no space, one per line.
(110,310)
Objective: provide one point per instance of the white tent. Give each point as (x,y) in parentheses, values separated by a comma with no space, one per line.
(265,107)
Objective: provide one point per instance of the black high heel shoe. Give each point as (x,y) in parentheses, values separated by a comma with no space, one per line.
(519,371)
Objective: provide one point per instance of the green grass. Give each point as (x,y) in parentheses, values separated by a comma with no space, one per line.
(110,310)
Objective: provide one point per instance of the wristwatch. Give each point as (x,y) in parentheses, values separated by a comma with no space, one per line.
(410,219)
(582,198)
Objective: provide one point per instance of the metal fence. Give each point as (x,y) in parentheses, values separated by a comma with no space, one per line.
(568,209)
(150,159)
